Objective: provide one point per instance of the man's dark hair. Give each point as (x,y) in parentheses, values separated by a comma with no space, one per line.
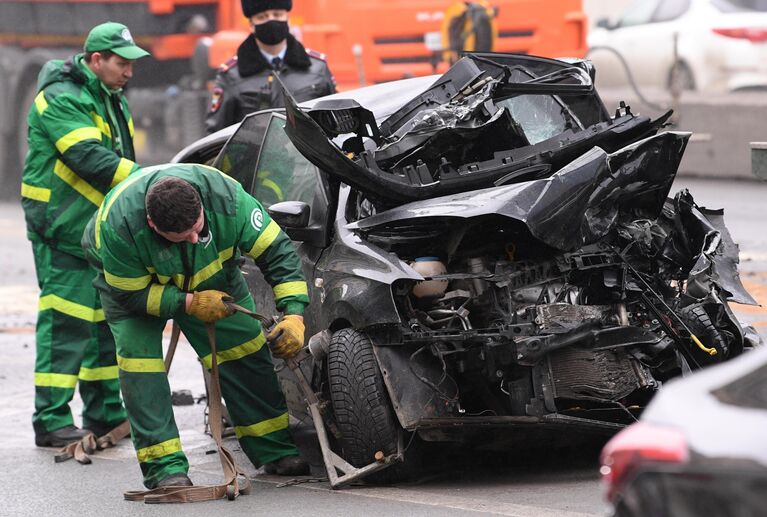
(106,54)
(173,205)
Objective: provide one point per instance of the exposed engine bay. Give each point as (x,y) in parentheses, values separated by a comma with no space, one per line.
(599,328)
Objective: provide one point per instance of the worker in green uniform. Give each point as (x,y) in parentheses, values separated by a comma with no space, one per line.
(80,146)
(168,241)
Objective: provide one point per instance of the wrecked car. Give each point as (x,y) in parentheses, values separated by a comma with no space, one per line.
(496,254)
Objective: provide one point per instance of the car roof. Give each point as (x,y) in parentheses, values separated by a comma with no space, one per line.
(382,99)
(713,427)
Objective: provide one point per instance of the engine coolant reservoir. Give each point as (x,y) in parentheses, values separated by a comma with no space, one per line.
(429,266)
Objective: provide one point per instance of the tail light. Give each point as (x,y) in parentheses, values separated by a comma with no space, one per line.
(637,445)
(752,34)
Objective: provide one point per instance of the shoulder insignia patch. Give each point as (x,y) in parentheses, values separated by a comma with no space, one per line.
(316,55)
(215,99)
(228,65)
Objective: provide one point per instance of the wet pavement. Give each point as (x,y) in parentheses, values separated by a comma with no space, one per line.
(32,484)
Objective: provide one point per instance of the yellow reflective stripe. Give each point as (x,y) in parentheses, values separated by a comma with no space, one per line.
(76,136)
(127,284)
(102,373)
(40,103)
(154,299)
(69,177)
(267,183)
(125,184)
(122,171)
(290,289)
(101,124)
(146,365)
(237,352)
(178,280)
(57,303)
(263,428)
(159,450)
(264,240)
(211,269)
(131,130)
(97,229)
(36,193)
(55,380)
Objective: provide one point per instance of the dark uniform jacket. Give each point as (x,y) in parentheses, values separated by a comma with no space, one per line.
(245,83)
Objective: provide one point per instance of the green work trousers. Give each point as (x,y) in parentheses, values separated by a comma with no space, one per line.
(249,386)
(74,345)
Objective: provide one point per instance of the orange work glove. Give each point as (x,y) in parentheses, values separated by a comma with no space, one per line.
(287,337)
(209,305)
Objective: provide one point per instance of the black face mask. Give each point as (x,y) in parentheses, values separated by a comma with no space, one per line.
(271,32)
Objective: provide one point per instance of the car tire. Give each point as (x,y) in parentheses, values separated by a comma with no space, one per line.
(363,412)
(681,78)
(700,324)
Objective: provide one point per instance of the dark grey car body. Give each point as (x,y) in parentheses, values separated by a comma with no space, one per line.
(573,282)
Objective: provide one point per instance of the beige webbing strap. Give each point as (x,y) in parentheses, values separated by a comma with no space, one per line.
(80,450)
(232,485)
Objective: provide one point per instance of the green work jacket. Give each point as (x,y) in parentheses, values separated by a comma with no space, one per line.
(143,273)
(80,146)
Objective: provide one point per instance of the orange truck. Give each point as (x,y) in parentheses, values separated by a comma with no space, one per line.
(366,41)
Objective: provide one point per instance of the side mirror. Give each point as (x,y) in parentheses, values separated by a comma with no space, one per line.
(604,23)
(290,214)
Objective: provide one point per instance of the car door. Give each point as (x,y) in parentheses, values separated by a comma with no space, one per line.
(262,158)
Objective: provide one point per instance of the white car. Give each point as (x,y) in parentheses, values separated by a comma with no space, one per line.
(721,45)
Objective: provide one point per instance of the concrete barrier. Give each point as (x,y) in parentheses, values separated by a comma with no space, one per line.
(723,127)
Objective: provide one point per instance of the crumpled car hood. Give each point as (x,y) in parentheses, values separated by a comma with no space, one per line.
(577,205)
(456,144)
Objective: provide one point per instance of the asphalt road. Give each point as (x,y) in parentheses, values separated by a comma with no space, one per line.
(542,481)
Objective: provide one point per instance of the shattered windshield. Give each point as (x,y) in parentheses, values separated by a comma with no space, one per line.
(539,117)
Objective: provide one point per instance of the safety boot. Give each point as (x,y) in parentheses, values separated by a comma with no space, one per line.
(174,480)
(60,437)
(288,466)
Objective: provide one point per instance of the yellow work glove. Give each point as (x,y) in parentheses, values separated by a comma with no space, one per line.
(287,337)
(209,305)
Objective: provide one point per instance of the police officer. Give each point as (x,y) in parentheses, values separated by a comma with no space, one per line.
(245,83)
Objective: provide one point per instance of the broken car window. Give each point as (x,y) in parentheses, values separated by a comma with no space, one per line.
(283,174)
(539,117)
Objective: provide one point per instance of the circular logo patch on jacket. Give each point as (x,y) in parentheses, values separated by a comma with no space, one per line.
(257,219)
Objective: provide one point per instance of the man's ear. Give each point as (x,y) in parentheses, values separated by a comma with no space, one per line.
(97,60)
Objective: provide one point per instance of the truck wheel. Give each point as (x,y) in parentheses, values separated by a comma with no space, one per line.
(363,413)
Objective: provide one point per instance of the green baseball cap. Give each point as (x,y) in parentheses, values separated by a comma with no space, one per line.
(115,37)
